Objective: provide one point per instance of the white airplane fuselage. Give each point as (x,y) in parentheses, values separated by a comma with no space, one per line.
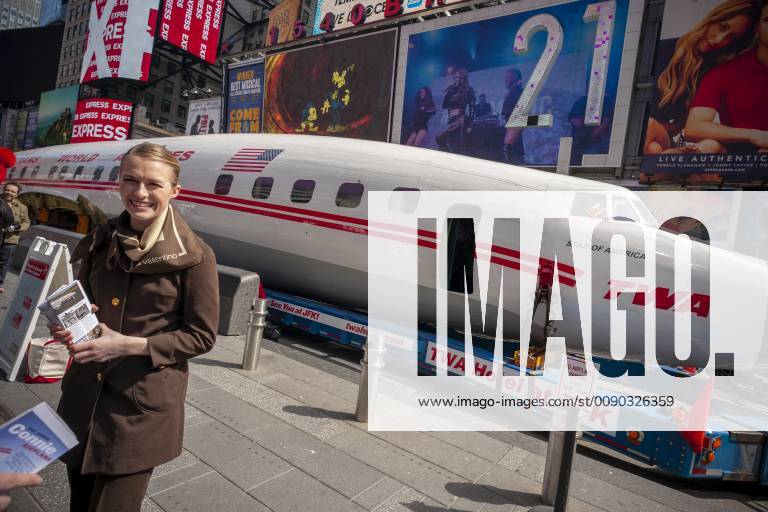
(315,249)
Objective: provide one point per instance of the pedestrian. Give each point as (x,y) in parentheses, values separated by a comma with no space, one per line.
(11,191)
(154,286)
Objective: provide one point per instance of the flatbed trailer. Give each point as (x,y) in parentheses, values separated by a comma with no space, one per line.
(730,455)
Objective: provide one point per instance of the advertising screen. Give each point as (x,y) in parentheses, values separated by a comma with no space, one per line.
(101,119)
(54,119)
(511,86)
(193,26)
(29,133)
(282,19)
(350,94)
(245,95)
(111,24)
(345,14)
(204,117)
(708,118)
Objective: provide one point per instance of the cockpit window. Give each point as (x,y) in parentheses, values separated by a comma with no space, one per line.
(349,195)
(589,205)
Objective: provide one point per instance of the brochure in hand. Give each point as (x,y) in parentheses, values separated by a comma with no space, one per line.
(34,439)
(70,307)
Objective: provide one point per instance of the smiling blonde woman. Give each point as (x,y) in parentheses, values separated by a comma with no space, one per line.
(155,287)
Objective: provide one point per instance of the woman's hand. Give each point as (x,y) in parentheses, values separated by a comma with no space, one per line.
(109,345)
(10,481)
(60,334)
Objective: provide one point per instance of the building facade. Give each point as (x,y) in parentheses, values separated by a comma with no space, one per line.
(52,11)
(19,14)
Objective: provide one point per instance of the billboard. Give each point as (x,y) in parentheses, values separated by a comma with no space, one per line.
(193,26)
(511,85)
(111,23)
(708,118)
(54,119)
(336,15)
(101,119)
(204,117)
(282,19)
(350,94)
(245,95)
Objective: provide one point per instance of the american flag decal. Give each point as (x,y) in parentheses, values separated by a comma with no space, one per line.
(251,160)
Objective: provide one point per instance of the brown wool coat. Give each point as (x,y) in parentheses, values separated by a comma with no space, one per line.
(128,414)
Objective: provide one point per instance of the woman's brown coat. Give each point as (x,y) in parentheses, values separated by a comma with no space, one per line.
(128,414)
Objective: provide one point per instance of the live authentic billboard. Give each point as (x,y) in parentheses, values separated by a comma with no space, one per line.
(350,92)
(193,26)
(708,118)
(245,94)
(102,119)
(54,120)
(204,117)
(121,35)
(509,87)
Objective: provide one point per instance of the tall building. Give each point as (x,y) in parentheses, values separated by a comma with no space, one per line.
(19,13)
(52,11)
(257,31)
(73,42)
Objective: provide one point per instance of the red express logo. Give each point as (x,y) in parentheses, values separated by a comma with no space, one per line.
(101,120)
(37,269)
(193,26)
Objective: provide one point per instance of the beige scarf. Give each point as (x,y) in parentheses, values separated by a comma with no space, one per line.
(168,244)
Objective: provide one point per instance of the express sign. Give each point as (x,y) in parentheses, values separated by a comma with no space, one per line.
(101,119)
(113,22)
(193,26)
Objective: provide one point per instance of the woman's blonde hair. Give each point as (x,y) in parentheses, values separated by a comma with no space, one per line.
(155,153)
(681,77)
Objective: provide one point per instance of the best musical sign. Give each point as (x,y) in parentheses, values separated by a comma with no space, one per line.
(194,27)
(101,119)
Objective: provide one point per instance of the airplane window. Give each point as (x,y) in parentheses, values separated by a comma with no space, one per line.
(223,184)
(34,173)
(349,195)
(78,172)
(262,187)
(114,173)
(589,205)
(404,203)
(23,172)
(11,171)
(52,172)
(302,191)
(98,172)
(63,172)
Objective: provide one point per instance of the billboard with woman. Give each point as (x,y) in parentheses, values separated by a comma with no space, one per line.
(708,118)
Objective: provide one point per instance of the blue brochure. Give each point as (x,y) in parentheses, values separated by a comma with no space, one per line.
(34,439)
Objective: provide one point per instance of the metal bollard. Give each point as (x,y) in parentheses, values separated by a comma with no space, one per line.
(257,319)
(361,411)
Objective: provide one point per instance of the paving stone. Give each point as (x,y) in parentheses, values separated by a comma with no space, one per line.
(150,506)
(171,479)
(423,476)
(274,402)
(183,460)
(379,493)
(404,501)
(296,369)
(474,469)
(22,501)
(339,387)
(331,466)
(424,445)
(611,497)
(459,461)
(236,457)
(196,384)
(211,492)
(514,458)
(48,392)
(296,491)
(264,431)
(311,394)
(475,442)
(53,494)
(532,467)
(472,497)
(520,490)
(230,410)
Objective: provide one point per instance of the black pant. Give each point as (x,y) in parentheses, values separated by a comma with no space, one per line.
(107,493)
(6,254)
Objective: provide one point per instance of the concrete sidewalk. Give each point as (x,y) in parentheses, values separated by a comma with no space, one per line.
(284,438)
